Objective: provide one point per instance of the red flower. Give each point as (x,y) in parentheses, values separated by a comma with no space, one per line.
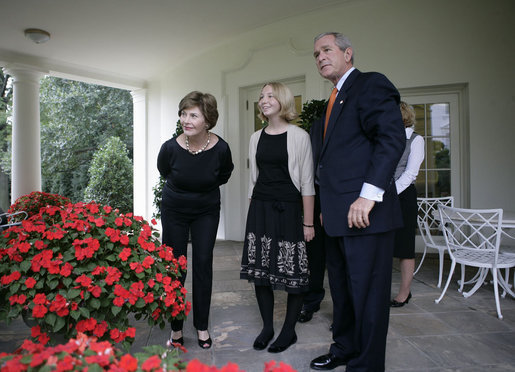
(149,298)
(118,301)
(7,279)
(59,306)
(66,270)
(86,325)
(118,221)
(128,363)
(30,282)
(137,267)
(95,290)
(147,262)
(124,239)
(125,254)
(39,311)
(100,329)
(99,222)
(102,360)
(39,299)
(151,363)
(183,262)
(84,280)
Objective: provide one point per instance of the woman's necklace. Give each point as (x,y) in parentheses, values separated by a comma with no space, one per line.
(200,150)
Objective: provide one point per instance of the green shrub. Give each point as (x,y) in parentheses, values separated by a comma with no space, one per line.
(111,176)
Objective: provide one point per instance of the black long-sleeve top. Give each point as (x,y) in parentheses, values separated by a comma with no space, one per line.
(192,181)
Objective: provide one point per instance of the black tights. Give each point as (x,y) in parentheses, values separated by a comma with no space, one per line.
(265,299)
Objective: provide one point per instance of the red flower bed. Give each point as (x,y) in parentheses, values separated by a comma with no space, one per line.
(84,268)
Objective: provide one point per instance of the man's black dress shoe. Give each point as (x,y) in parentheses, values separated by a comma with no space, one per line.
(327,362)
(305,316)
(395,303)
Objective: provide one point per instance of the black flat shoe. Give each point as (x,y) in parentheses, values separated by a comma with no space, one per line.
(280,348)
(305,316)
(327,362)
(262,344)
(395,303)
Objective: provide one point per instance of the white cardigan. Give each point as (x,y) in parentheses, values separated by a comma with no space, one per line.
(300,160)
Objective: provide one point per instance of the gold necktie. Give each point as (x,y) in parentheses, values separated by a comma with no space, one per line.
(330,107)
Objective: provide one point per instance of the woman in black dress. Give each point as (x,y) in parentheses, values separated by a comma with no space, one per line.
(195,164)
(280,217)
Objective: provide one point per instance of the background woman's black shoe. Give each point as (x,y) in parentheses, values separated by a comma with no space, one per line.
(394,303)
(280,348)
(262,344)
(305,316)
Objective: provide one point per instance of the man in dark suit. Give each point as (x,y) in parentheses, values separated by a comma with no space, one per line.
(355,152)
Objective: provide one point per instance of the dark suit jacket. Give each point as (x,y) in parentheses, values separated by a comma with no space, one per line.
(364,141)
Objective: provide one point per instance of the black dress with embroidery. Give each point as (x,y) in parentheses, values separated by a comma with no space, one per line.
(274,252)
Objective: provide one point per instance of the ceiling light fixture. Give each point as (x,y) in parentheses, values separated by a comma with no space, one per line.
(36,35)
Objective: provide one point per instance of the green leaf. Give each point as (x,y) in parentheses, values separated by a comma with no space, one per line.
(111,257)
(84,312)
(140,304)
(50,319)
(75,314)
(59,324)
(73,293)
(94,303)
(67,282)
(53,283)
(15,287)
(115,310)
(95,368)
(25,266)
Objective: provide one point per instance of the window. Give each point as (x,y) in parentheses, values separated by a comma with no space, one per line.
(440,119)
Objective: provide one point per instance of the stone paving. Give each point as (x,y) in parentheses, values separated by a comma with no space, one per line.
(456,335)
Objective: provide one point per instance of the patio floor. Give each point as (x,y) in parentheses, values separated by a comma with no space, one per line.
(456,335)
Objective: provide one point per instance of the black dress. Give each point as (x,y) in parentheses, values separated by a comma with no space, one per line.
(274,252)
(405,236)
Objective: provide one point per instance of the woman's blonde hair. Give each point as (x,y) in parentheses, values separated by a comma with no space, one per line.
(285,98)
(408,114)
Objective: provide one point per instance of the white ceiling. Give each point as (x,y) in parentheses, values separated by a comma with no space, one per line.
(131,39)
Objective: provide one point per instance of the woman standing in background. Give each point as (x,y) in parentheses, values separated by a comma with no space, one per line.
(405,176)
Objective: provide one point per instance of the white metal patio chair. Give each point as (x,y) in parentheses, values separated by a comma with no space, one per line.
(11,219)
(430,231)
(473,237)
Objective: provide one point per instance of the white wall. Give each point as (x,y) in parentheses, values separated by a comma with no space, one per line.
(415,43)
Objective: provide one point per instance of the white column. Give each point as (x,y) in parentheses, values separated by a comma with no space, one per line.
(26,145)
(140,175)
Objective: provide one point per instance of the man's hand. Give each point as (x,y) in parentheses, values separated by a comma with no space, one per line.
(358,213)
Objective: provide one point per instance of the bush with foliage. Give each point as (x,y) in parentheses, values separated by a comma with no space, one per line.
(33,202)
(158,188)
(87,354)
(110,176)
(85,268)
(311,111)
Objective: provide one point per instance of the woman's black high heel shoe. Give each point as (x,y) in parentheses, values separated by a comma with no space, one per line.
(394,303)
(175,341)
(205,344)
